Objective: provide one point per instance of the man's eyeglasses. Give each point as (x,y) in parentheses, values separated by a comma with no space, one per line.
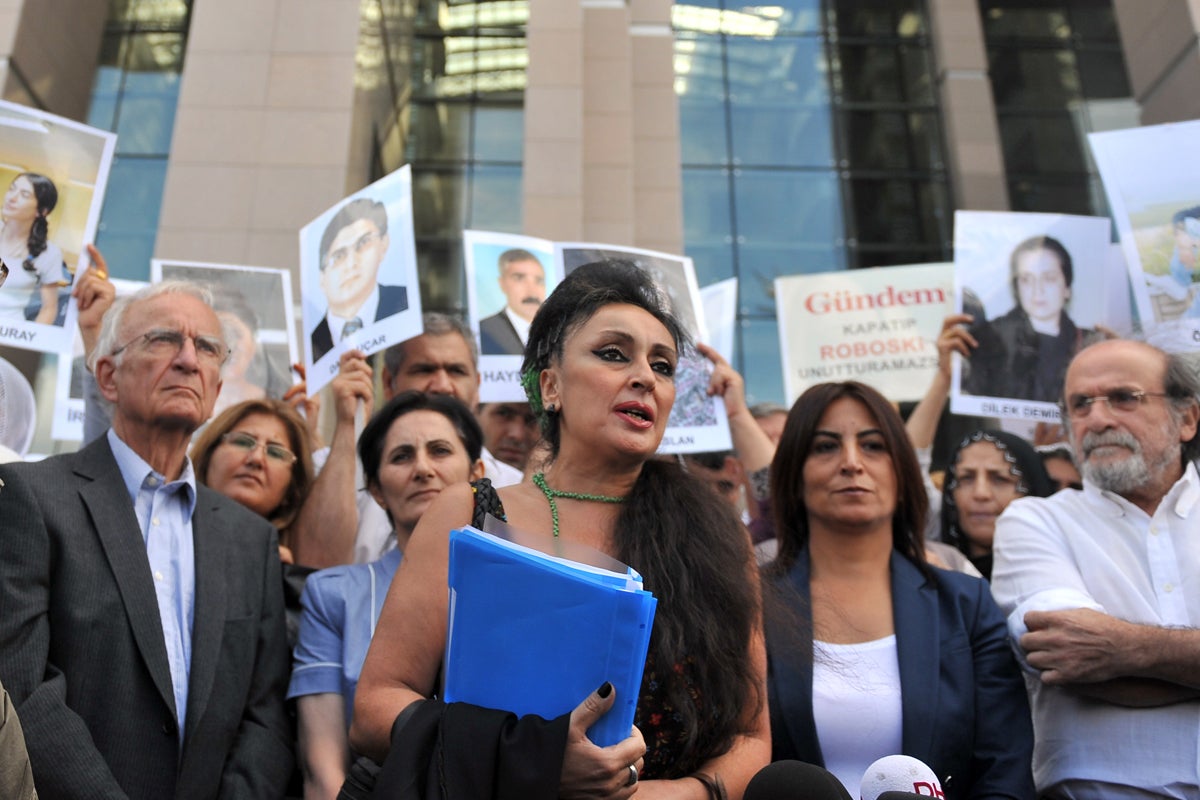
(338,258)
(167,342)
(248,444)
(1122,401)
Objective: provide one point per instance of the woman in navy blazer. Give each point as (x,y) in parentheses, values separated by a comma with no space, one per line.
(851,577)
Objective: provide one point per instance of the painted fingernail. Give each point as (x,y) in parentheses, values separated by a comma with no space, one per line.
(605,689)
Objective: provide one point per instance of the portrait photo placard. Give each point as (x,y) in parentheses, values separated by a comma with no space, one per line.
(54,172)
(1153,190)
(254,306)
(508,278)
(698,423)
(1035,285)
(358,276)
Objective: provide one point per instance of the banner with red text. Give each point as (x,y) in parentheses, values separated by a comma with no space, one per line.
(878,326)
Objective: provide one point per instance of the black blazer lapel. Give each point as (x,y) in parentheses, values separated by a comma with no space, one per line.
(915,610)
(791,659)
(107,501)
(210,545)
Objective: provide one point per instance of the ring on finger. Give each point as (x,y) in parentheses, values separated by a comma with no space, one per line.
(633,776)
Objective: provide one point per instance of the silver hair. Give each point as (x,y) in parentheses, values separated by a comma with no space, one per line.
(114,319)
(435,323)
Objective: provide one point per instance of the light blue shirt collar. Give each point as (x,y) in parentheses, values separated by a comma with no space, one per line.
(135,471)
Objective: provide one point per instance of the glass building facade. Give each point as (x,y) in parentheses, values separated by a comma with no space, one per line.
(134,94)
(1058,73)
(811,141)
(455,94)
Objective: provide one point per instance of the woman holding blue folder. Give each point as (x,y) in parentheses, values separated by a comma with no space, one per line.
(599,370)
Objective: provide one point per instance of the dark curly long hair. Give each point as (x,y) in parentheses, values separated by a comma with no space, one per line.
(684,540)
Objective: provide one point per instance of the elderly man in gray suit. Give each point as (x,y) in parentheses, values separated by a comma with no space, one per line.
(141,615)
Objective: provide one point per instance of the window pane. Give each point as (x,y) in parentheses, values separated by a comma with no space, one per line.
(779,103)
(1102,74)
(1046,20)
(495,199)
(438,203)
(129,220)
(146,115)
(707,206)
(1034,78)
(899,211)
(1067,194)
(785,16)
(700,86)
(499,133)
(878,18)
(713,262)
(439,131)
(786,207)
(1042,142)
(761,361)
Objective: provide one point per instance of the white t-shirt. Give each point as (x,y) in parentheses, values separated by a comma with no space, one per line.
(21,283)
(856,706)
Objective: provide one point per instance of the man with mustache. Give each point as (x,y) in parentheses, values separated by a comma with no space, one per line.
(523,282)
(1101,584)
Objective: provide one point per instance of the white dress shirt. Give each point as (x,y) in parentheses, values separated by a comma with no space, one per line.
(1094,549)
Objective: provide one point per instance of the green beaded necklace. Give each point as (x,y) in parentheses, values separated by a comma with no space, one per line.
(539,480)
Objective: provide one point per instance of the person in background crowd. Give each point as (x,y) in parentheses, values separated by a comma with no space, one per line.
(416,446)
(986,472)
(1100,586)
(510,432)
(1059,462)
(442,360)
(142,638)
(599,366)
(872,651)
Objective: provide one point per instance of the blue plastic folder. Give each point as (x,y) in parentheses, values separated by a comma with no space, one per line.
(534,633)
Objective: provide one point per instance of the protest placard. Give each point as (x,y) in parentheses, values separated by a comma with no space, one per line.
(508,278)
(878,326)
(1034,284)
(54,171)
(358,276)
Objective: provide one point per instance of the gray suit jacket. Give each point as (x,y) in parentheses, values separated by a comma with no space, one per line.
(82,650)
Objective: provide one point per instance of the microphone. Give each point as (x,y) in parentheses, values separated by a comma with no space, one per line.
(901,796)
(903,776)
(794,780)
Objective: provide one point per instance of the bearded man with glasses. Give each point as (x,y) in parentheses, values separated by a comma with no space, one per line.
(1102,584)
(353,247)
(142,636)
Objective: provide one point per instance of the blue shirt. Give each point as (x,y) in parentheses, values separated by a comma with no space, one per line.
(341,606)
(164,514)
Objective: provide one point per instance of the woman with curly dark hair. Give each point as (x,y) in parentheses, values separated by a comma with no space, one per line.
(599,369)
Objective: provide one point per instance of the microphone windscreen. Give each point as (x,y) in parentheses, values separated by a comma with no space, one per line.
(794,780)
(899,774)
